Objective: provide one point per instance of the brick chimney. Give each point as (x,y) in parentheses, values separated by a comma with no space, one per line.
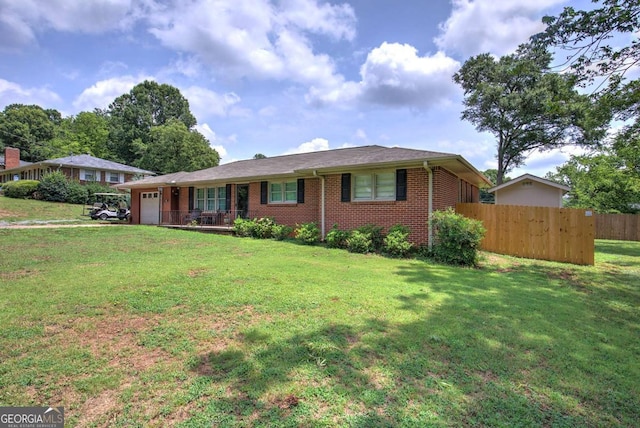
(11,157)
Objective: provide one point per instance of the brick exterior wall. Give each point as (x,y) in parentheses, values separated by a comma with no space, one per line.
(448,190)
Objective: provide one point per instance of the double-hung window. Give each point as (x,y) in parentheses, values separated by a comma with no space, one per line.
(283,192)
(374,186)
(211,199)
(89,175)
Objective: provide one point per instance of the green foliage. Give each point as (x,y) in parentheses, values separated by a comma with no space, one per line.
(307,233)
(375,235)
(336,238)
(22,189)
(281,232)
(456,238)
(523,106)
(76,193)
(95,187)
(396,244)
(54,187)
(29,128)
(359,242)
(261,228)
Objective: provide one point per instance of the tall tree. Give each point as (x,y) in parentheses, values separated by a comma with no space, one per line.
(523,106)
(133,115)
(174,148)
(87,132)
(29,128)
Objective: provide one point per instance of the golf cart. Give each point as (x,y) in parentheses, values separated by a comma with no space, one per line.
(108,206)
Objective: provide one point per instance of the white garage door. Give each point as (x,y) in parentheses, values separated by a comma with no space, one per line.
(149,208)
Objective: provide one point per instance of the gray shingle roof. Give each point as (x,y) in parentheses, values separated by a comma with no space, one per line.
(88,161)
(303,164)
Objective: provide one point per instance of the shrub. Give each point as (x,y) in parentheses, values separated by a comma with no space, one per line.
(359,242)
(96,187)
(395,244)
(336,238)
(263,228)
(281,231)
(375,235)
(22,189)
(456,238)
(54,187)
(243,227)
(76,193)
(307,233)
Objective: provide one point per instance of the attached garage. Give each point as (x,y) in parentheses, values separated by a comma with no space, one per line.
(149,207)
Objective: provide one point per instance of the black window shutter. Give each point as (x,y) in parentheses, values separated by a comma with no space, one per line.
(191,205)
(227,198)
(301,190)
(401,185)
(345,194)
(264,192)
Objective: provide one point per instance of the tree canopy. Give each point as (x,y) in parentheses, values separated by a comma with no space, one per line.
(29,128)
(524,106)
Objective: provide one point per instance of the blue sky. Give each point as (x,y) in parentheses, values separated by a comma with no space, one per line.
(275,76)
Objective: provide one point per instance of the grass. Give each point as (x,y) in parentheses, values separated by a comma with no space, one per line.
(30,211)
(142,326)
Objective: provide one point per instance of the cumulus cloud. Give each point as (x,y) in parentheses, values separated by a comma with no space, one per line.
(255,37)
(102,93)
(204,102)
(20,20)
(13,93)
(315,145)
(395,75)
(497,27)
(210,135)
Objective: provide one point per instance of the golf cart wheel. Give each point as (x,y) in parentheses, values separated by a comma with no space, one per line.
(103,216)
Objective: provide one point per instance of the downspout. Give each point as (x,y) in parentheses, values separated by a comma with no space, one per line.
(430,204)
(322,208)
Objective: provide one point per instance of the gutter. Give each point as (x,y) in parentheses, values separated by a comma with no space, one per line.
(322,204)
(430,204)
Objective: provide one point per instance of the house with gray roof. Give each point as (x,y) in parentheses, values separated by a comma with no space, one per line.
(348,187)
(84,168)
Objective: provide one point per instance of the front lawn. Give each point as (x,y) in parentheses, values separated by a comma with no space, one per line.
(31,211)
(143,326)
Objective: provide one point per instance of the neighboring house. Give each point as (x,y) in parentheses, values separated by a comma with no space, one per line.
(529,190)
(348,187)
(84,168)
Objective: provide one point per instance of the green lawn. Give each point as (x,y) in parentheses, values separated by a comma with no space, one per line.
(143,326)
(30,211)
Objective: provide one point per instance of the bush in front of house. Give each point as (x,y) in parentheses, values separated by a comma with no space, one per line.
(359,242)
(53,187)
(22,189)
(375,235)
(307,233)
(261,228)
(456,238)
(280,232)
(336,238)
(76,193)
(396,244)
(243,227)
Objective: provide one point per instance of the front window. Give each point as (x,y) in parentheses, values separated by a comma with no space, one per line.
(286,192)
(113,177)
(370,187)
(211,199)
(89,175)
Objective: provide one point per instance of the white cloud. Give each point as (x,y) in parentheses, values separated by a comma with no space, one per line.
(210,135)
(102,93)
(204,102)
(256,38)
(315,145)
(497,27)
(13,93)
(395,75)
(20,20)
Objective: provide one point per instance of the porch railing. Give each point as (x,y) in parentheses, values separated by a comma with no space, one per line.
(203,218)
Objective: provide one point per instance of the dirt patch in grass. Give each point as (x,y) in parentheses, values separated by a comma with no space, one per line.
(18,274)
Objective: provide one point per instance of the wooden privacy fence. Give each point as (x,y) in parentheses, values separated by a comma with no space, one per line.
(557,234)
(624,227)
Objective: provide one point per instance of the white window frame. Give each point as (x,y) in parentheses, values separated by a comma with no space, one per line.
(93,173)
(110,174)
(280,196)
(372,189)
(211,198)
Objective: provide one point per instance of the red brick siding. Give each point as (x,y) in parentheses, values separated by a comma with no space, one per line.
(11,158)
(289,214)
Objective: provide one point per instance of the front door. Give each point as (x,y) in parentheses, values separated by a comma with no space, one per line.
(242,200)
